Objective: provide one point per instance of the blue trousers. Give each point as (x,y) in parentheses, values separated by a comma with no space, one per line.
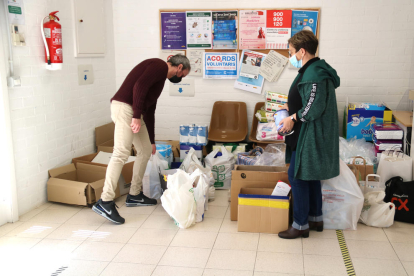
(307,199)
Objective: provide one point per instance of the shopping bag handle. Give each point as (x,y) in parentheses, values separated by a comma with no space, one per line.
(358,156)
(373,175)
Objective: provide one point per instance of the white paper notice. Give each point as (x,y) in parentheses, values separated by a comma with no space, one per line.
(15,10)
(272,67)
(167,54)
(196,62)
(199,30)
(251,62)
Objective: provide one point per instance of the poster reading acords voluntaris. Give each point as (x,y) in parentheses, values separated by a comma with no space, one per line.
(220,65)
(252,29)
(198,30)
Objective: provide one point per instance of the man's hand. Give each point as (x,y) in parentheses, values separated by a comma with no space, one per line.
(154,149)
(285,106)
(287,125)
(135,125)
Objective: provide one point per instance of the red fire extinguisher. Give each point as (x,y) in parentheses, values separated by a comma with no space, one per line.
(52,38)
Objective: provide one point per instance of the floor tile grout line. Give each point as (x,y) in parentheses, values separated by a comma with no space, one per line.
(393,248)
(212,248)
(257,250)
(126,242)
(165,251)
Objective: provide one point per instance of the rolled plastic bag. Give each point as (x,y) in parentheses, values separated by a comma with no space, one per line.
(178,200)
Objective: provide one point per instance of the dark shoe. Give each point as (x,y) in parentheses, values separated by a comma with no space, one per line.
(293,233)
(108,211)
(139,200)
(316,225)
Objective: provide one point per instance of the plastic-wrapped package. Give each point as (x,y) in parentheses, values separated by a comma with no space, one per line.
(356,147)
(274,155)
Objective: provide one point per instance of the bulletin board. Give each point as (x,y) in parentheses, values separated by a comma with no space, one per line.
(284,52)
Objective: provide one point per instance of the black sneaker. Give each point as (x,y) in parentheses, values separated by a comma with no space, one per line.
(139,200)
(108,211)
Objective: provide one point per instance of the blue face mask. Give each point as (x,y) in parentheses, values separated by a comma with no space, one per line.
(295,62)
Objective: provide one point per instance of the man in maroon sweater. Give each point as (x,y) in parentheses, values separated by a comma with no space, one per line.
(133,112)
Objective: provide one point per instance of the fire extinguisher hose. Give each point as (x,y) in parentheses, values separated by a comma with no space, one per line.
(44,40)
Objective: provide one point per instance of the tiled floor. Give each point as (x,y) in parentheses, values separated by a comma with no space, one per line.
(79,242)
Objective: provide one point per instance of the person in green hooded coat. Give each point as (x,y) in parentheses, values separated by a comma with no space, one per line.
(313,148)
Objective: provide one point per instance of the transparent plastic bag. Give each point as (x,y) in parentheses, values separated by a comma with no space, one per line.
(274,155)
(356,147)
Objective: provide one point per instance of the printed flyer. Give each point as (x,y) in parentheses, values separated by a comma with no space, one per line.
(224,30)
(278,29)
(173,35)
(199,30)
(249,84)
(304,20)
(196,62)
(252,29)
(220,65)
(250,65)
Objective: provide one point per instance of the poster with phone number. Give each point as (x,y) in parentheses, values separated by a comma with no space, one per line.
(278,29)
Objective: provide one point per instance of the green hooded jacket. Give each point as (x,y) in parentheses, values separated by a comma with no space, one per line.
(317,150)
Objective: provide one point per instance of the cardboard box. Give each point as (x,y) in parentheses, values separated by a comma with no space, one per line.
(254,177)
(260,212)
(184,149)
(360,117)
(126,174)
(104,137)
(81,185)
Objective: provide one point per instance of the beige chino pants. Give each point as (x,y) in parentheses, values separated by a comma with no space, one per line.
(121,114)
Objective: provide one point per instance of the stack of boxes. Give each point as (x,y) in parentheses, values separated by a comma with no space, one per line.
(193,136)
(387,136)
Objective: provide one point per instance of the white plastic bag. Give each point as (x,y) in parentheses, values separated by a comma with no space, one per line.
(274,155)
(376,212)
(178,200)
(201,197)
(373,186)
(221,167)
(151,184)
(191,163)
(342,200)
(395,164)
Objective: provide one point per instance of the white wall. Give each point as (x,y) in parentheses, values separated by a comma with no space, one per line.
(369,43)
(53,118)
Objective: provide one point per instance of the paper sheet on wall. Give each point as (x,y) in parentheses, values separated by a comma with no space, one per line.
(224,29)
(220,65)
(252,29)
(198,29)
(278,29)
(173,34)
(249,84)
(272,67)
(166,55)
(250,65)
(15,10)
(196,62)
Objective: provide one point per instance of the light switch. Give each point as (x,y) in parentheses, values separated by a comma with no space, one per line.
(85,74)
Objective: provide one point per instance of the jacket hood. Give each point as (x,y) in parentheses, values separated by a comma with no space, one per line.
(323,70)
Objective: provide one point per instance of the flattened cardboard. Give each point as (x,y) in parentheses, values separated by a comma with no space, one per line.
(258,219)
(104,134)
(80,186)
(254,177)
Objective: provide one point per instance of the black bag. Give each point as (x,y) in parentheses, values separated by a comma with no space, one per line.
(402,195)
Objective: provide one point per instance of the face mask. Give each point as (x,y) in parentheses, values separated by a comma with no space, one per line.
(295,62)
(175,79)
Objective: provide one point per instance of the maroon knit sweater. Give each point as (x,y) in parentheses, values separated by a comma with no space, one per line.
(141,90)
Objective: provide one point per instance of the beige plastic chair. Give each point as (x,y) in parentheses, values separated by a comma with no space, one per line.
(228,122)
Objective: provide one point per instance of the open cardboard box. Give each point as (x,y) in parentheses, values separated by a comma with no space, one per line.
(126,174)
(253,130)
(104,137)
(81,185)
(253,177)
(259,212)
